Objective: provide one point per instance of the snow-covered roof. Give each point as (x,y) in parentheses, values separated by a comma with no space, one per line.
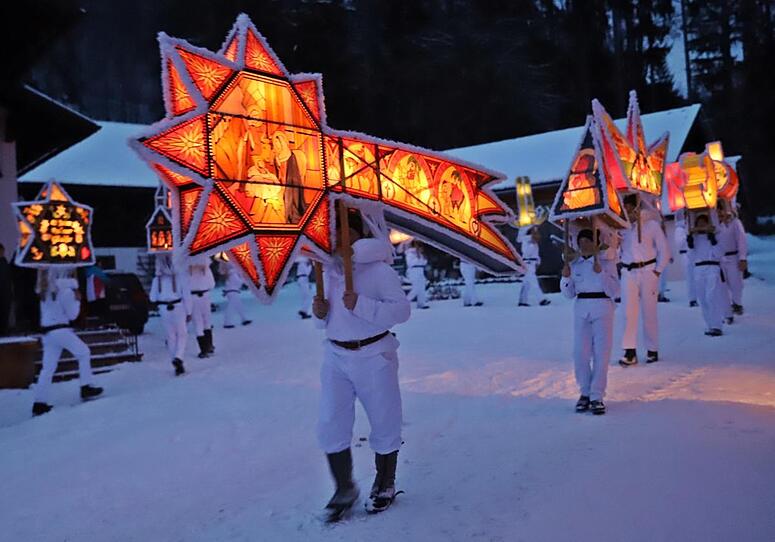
(103,159)
(546,157)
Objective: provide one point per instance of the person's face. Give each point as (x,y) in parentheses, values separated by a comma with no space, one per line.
(535,234)
(631,210)
(354,236)
(586,246)
(702,223)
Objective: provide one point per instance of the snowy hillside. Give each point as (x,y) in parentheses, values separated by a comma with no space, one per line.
(493,449)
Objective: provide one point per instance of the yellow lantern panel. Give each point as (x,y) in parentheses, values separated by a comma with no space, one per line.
(700,191)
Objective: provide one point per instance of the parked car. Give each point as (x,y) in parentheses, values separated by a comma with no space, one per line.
(127,302)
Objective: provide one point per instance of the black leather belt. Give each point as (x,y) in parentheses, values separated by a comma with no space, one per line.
(171,304)
(199,293)
(529,259)
(591,295)
(638,265)
(230,291)
(706,262)
(46,329)
(357,345)
(731,253)
(413,266)
(682,252)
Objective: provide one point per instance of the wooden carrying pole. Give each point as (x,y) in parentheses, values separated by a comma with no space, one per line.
(566,235)
(344,236)
(319,291)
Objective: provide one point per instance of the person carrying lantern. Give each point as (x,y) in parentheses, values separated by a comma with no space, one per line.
(532,259)
(734,260)
(706,253)
(644,256)
(235,311)
(594,284)
(303,270)
(683,253)
(468,270)
(415,272)
(169,290)
(201,281)
(59,306)
(360,361)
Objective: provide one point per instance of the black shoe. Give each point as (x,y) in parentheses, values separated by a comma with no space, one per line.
(228,327)
(663,299)
(202,342)
(40,408)
(467,305)
(582,405)
(90,392)
(178,364)
(523,305)
(597,408)
(424,307)
(383,491)
(247,322)
(652,356)
(729,320)
(304,315)
(715,332)
(209,341)
(737,309)
(692,303)
(341,465)
(617,300)
(478,304)
(629,359)
(544,302)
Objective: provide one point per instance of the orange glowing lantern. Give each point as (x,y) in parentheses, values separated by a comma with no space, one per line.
(586,190)
(726,177)
(675,180)
(526,211)
(252,164)
(54,230)
(701,190)
(643,166)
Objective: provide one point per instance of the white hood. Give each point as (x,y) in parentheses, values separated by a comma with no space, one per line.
(371,250)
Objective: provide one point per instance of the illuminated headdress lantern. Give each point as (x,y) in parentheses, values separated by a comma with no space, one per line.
(642,167)
(54,230)
(526,211)
(253,166)
(726,177)
(159,230)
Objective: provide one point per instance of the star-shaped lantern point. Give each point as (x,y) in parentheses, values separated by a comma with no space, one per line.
(254,168)
(632,165)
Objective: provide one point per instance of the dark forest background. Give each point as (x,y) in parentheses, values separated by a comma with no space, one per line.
(444,73)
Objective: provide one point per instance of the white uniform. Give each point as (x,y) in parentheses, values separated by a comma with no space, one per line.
(169,290)
(303,270)
(532,259)
(593,322)
(686,260)
(468,270)
(415,272)
(734,249)
(641,260)
(371,372)
(235,312)
(58,308)
(201,281)
(707,275)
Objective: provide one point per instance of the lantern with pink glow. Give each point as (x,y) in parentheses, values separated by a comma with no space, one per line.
(253,167)
(55,231)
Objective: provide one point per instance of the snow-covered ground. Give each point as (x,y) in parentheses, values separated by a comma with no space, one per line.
(493,450)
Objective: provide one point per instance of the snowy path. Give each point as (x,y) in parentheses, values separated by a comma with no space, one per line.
(493,450)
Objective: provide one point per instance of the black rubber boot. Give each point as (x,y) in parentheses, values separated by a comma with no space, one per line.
(341,465)
(178,364)
(90,392)
(383,491)
(40,408)
(202,342)
(209,339)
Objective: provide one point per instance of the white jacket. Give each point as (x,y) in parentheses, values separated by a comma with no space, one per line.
(60,306)
(731,238)
(652,245)
(381,302)
(530,254)
(303,267)
(583,278)
(163,290)
(233,281)
(703,250)
(200,278)
(414,258)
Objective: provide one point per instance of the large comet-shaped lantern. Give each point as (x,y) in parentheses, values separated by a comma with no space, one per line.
(254,168)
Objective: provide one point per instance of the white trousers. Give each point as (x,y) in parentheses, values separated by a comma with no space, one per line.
(639,299)
(200,313)
(235,312)
(175,332)
(305,295)
(53,343)
(469,292)
(417,276)
(691,290)
(530,284)
(374,381)
(712,295)
(734,280)
(593,324)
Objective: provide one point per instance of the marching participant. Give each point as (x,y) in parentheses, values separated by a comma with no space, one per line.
(170,292)
(706,254)
(594,284)
(235,312)
(468,270)
(734,260)
(201,281)
(60,305)
(644,256)
(361,362)
(415,272)
(688,264)
(532,259)
(303,270)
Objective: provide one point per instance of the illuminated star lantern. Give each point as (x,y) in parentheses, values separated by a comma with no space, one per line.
(252,165)
(54,230)
(587,191)
(642,167)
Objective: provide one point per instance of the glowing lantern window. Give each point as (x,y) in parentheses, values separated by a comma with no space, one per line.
(54,230)
(675,180)
(586,191)
(526,212)
(700,191)
(254,164)
(159,231)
